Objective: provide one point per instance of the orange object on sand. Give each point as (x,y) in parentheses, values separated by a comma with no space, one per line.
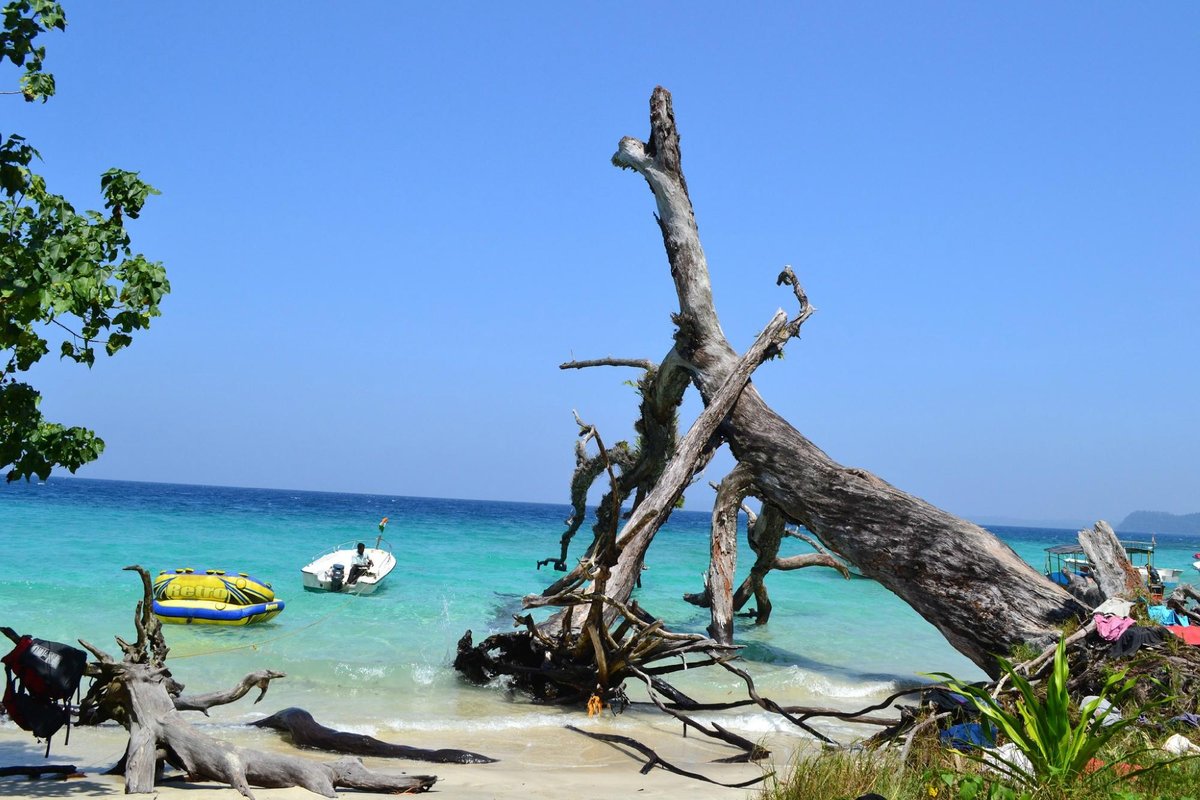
(1189,633)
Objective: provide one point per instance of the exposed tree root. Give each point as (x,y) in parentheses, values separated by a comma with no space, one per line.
(653,760)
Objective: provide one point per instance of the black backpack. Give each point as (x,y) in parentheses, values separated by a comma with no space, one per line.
(40,677)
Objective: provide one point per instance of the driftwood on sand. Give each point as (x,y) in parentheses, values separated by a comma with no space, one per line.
(139,693)
(653,759)
(307,732)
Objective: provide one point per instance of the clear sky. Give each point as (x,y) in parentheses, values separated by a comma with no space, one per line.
(386,224)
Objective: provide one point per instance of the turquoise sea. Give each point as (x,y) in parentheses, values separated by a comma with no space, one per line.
(382,662)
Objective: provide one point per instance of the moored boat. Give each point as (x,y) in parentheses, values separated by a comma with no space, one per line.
(1066,560)
(334,570)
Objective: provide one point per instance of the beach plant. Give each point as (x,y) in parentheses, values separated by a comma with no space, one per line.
(957,786)
(849,774)
(1062,751)
(838,774)
(60,270)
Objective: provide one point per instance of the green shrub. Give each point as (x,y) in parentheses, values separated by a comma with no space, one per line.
(1059,750)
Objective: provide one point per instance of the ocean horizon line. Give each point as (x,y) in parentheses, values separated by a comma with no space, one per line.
(564,505)
(983,520)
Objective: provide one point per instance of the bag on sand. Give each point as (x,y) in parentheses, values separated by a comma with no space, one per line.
(40,677)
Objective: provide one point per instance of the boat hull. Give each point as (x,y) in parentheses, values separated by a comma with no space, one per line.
(208,612)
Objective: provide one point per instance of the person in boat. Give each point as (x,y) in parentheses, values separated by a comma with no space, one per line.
(359,564)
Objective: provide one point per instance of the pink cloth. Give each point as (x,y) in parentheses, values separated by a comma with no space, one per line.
(1111,627)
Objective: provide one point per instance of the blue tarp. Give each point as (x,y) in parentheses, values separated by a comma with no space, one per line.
(969,735)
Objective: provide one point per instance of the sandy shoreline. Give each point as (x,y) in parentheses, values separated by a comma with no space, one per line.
(545,763)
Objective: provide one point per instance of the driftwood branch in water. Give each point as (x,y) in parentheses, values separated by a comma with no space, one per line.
(653,759)
(771,705)
(806,713)
(753,752)
(576,664)
(202,702)
(307,732)
(723,552)
(765,538)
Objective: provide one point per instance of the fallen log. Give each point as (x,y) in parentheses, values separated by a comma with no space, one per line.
(307,732)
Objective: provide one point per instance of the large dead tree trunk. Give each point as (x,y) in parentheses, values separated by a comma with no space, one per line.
(971,586)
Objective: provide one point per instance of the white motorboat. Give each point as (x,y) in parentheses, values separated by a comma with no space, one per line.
(331,571)
(1165,574)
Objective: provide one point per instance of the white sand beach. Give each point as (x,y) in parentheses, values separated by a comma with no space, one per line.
(545,763)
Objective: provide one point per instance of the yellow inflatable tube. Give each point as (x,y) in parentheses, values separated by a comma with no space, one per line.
(212,586)
(207,612)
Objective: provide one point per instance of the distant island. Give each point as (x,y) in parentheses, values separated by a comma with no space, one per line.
(1161,522)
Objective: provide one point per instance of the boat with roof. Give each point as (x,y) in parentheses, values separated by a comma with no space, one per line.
(1065,560)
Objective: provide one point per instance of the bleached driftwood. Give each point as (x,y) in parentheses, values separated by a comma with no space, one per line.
(1109,562)
(139,693)
(307,732)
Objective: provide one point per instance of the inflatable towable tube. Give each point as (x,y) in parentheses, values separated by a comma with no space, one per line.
(217,585)
(213,597)
(207,612)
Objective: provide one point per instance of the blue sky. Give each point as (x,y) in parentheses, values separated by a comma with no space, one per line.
(386,224)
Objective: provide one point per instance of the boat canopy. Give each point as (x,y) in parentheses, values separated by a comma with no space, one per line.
(1131,549)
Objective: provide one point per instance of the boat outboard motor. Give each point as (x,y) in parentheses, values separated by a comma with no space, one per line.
(337,574)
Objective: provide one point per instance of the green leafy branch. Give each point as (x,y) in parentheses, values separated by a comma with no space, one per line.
(23,21)
(60,269)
